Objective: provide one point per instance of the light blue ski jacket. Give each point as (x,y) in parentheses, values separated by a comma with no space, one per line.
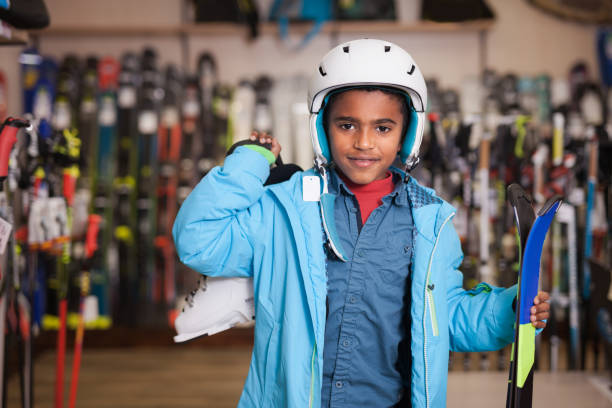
(231,225)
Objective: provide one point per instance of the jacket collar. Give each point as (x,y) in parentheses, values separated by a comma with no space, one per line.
(399,195)
(429,211)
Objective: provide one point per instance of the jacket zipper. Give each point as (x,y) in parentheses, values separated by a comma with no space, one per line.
(314,352)
(427,302)
(432,312)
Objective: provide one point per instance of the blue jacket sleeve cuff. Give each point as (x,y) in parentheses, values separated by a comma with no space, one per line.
(505,317)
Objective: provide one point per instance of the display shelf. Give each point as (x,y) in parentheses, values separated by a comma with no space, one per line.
(192,30)
(344,27)
(396,27)
(12,36)
(265,28)
(104,31)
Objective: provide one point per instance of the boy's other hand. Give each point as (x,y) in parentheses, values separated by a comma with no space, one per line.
(265,138)
(540,310)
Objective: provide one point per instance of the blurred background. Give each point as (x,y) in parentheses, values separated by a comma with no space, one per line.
(131,102)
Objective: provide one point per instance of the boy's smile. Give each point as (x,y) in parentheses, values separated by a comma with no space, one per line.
(365,133)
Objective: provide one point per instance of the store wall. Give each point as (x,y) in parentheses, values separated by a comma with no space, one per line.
(118,12)
(528,41)
(9,66)
(523,40)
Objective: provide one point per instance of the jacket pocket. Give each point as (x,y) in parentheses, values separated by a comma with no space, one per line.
(268,355)
(273,368)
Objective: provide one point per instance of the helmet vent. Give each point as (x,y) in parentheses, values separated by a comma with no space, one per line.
(387,48)
(345,49)
(323,73)
(411,70)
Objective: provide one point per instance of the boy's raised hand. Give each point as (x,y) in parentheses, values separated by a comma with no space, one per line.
(265,138)
(539,310)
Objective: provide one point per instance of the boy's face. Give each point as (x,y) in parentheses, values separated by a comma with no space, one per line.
(365,133)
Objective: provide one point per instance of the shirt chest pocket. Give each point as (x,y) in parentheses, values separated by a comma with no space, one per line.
(392,264)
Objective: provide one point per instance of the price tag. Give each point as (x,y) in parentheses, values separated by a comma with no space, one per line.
(311,188)
(5,233)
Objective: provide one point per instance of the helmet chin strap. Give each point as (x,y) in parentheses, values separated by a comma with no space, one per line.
(326,205)
(411,165)
(319,165)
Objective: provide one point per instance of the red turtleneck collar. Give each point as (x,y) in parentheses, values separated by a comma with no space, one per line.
(369,196)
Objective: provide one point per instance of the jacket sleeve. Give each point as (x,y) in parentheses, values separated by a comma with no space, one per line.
(480,319)
(216,225)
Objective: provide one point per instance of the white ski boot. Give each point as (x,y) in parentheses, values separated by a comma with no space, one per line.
(217,304)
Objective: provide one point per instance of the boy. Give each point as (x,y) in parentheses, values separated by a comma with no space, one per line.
(357,294)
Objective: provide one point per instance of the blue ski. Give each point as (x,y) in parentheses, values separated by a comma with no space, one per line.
(531,232)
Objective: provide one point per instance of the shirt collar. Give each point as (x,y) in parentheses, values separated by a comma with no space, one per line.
(336,184)
(399,194)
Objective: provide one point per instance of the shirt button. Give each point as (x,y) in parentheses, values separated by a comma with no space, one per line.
(352,299)
(339,384)
(346,343)
(360,252)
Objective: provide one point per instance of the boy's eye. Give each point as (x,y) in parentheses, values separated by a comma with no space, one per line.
(383,129)
(347,126)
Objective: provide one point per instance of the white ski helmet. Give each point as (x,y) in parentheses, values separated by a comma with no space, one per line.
(368,62)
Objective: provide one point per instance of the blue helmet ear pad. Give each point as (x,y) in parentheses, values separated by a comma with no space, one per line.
(410,136)
(321,134)
(407,145)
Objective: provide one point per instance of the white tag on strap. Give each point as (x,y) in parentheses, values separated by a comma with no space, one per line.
(311,188)
(5,234)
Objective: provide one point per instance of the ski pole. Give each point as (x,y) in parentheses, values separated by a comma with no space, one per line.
(71,151)
(588,239)
(8,138)
(91,245)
